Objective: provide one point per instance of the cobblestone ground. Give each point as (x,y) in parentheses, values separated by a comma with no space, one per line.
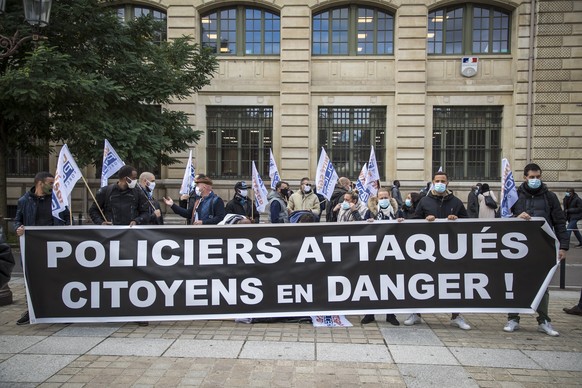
(225,353)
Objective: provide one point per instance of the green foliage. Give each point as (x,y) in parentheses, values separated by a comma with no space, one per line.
(95,78)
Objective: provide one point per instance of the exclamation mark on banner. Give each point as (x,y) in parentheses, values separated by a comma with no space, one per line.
(509,285)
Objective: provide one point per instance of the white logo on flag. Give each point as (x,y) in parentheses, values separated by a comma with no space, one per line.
(325,176)
(508,190)
(259,189)
(273,171)
(67,175)
(372,175)
(111,163)
(189,175)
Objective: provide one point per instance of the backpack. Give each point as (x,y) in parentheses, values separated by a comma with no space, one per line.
(490,202)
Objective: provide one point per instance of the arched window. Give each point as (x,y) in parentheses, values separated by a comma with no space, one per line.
(469,29)
(241,31)
(129,11)
(353,30)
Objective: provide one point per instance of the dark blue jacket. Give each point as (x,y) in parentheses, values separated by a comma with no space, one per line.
(210,210)
(26,212)
(542,202)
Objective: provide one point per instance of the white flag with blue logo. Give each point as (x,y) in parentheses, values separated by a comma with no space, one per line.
(372,174)
(325,176)
(189,175)
(273,171)
(111,163)
(363,192)
(259,189)
(508,190)
(67,175)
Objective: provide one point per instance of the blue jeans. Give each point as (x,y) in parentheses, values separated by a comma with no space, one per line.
(573,227)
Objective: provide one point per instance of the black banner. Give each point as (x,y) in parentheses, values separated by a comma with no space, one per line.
(98,274)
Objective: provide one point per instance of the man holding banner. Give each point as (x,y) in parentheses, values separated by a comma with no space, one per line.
(535,200)
(35,209)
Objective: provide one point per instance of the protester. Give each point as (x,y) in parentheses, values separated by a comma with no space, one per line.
(473,201)
(381,208)
(536,200)
(278,203)
(396,193)
(121,203)
(208,208)
(147,182)
(304,199)
(409,207)
(344,185)
(6,260)
(440,203)
(351,209)
(577,309)
(485,195)
(34,208)
(573,211)
(241,204)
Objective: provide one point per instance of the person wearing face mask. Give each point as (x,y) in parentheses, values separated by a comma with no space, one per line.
(381,207)
(278,203)
(304,199)
(147,182)
(208,209)
(535,200)
(241,204)
(121,203)
(573,211)
(344,185)
(34,208)
(473,201)
(351,208)
(440,203)
(409,207)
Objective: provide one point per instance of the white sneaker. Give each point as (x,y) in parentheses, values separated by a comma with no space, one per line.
(460,323)
(546,327)
(511,325)
(412,319)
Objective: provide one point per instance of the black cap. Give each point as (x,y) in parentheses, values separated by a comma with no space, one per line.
(242,185)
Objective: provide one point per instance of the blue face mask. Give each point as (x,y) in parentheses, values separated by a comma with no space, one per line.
(567,193)
(384,203)
(408,202)
(534,183)
(345,205)
(440,187)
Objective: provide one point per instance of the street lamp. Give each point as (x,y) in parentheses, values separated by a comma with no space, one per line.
(36,13)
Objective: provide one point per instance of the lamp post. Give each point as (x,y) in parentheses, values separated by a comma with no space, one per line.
(36,13)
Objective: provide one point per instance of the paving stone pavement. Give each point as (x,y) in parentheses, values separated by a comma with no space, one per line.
(224,353)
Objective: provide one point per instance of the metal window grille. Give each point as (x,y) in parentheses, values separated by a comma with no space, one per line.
(467,141)
(237,135)
(347,133)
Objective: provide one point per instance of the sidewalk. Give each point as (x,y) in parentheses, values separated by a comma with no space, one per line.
(225,353)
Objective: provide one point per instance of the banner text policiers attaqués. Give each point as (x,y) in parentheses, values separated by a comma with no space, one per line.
(97,274)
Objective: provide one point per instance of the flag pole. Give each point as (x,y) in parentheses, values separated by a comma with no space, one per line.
(94,199)
(146,195)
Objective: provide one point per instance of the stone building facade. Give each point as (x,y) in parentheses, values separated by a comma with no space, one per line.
(298,75)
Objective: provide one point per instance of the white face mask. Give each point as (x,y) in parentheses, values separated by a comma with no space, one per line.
(307,188)
(132,183)
(198,191)
(151,186)
(243,193)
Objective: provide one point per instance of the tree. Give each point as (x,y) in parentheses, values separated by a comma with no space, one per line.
(93,78)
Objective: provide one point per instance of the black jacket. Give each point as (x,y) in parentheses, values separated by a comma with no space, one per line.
(473,205)
(234,206)
(573,207)
(6,261)
(440,206)
(120,206)
(336,197)
(541,202)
